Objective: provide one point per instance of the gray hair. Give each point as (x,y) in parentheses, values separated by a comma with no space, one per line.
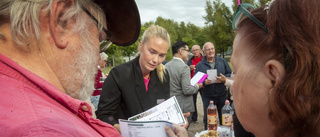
(204,45)
(24,15)
(196,46)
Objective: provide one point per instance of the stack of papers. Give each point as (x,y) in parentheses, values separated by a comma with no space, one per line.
(153,121)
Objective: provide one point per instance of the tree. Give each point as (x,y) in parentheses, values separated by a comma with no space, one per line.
(256,4)
(182,31)
(118,56)
(219,25)
(190,41)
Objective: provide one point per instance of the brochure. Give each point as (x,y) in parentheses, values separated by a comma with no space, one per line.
(168,110)
(143,128)
(198,78)
(153,121)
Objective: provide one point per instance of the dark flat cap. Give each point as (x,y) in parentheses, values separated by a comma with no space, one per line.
(123,20)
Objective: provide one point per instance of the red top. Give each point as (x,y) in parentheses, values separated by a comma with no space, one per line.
(31,106)
(146,83)
(195,62)
(97,84)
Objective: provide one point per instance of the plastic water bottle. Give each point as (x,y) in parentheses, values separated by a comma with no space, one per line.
(227,114)
(212,117)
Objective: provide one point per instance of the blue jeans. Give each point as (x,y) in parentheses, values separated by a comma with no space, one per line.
(95,101)
(219,101)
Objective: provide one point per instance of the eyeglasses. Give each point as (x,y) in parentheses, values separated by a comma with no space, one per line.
(209,49)
(104,45)
(195,50)
(185,50)
(245,9)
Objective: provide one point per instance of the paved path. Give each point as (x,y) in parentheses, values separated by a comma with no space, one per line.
(197,126)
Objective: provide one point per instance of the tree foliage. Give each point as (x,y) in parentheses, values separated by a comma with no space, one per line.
(219,25)
(217,29)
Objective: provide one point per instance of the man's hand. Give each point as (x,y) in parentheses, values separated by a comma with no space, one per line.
(200,85)
(117,126)
(177,132)
(192,67)
(208,82)
(186,115)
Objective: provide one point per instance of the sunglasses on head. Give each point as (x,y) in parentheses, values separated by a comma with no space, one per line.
(245,9)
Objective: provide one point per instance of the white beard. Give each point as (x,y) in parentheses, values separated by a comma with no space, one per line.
(78,80)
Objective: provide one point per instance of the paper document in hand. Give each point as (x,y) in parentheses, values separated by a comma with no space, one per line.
(168,110)
(143,128)
(212,73)
(198,78)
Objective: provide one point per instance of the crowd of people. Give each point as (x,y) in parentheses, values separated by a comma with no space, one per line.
(52,79)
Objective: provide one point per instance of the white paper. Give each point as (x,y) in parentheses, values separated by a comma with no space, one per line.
(168,110)
(195,79)
(212,73)
(143,128)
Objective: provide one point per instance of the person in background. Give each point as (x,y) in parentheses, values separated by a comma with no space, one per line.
(138,85)
(179,73)
(276,65)
(48,60)
(100,76)
(99,80)
(102,63)
(192,63)
(211,90)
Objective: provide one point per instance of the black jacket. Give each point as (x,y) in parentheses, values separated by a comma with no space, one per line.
(124,93)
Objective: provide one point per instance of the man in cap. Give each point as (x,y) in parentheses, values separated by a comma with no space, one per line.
(49,51)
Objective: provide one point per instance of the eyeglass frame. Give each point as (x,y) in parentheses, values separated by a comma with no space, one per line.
(185,49)
(104,45)
(195,50)
(209,49)
(242,8)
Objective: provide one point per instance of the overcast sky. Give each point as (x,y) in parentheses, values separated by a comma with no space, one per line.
(178,10)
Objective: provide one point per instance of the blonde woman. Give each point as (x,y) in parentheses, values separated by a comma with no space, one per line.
(138,85)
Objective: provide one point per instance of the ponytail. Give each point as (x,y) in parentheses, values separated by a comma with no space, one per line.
(161,72)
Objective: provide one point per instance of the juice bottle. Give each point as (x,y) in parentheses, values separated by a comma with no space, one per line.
(226,114)
(212,117)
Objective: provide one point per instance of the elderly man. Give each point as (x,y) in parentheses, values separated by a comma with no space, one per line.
(49,52)
(192,63)
(213,90)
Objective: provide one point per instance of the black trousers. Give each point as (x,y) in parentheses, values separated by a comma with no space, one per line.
(194,115)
